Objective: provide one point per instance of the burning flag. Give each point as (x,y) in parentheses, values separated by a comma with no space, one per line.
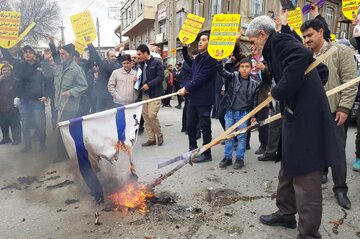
(103,135)
(133,196)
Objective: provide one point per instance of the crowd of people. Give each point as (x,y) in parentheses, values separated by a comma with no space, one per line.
(309,139)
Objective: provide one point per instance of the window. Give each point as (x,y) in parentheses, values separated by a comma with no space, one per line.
(123,20)
(134,10)
(256,8)
(162,27)
(344,30)
(196,5)
(329,17)
(128,16)
(140,6)
(215,7)
(180,19)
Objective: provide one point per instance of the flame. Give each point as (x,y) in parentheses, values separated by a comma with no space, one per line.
(134,196)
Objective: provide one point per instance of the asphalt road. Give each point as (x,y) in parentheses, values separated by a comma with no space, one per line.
(40,199)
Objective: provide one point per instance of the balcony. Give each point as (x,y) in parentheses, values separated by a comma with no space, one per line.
(145,17)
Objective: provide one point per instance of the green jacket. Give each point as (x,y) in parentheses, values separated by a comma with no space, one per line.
(70,79)
(342,68)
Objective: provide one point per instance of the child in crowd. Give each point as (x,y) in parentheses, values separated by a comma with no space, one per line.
(240,98)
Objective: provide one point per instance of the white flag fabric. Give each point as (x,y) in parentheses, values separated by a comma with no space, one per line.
(100,136)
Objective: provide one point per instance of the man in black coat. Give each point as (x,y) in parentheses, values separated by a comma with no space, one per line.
(308,133)
(151,87)
(201,88)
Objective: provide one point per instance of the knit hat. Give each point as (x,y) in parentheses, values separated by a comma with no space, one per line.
(70,48)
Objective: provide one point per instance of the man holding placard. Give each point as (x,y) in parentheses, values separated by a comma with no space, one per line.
(201,89)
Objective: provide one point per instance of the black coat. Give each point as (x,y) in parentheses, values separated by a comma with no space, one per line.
(203,79)
(308,131)
(154,77)
(31,83)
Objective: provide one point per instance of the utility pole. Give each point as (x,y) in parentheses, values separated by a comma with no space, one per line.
(172,33)
(62,28)
(98,32)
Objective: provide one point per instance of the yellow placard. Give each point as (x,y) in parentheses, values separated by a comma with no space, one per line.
(79,47)
(191,28)
(295,20)
(84,28)
(223,35)
(9,28)
(350,8)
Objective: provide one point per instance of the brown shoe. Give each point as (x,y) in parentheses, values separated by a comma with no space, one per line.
(160,140)
(149,143)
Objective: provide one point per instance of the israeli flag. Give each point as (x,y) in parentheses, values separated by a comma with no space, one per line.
(98,137)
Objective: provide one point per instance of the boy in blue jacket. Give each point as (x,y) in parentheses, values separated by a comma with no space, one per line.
(240,98)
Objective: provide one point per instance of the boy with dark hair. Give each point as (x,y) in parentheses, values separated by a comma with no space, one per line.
(240,98)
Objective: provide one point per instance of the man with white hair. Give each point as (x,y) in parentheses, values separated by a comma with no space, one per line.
(308,134)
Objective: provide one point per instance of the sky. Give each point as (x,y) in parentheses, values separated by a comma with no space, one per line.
(98,8)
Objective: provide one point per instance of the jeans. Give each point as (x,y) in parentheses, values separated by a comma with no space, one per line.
(33,114)
(231,117)
(197,114)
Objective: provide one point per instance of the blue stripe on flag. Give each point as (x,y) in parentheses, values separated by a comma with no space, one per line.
(76,131)
(121,123)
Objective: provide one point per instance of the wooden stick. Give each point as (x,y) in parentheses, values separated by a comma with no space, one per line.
(110,111)
(225,134)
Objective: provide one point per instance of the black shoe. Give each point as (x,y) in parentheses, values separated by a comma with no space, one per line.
(198,135)
(239,163)
(260,150)
(225,162)
(26,149)
(178,107)
(202,158)
(324,179)
(267,157)
(343,200)
(5,141)
(248,147)
(276,219)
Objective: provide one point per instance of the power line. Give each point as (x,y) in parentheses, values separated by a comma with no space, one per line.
(90,5)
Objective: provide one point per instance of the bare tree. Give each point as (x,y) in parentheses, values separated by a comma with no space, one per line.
(45,13)
(4,5)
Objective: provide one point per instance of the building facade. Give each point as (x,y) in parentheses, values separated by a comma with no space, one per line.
(151,21)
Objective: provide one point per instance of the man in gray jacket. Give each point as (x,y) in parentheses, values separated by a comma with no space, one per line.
(342,68)
(70,83)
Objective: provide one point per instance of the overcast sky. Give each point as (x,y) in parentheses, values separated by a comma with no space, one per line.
(98,8)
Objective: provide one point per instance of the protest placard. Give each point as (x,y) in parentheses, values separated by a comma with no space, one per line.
(191,28)
(350,8)
(295,20)
(84,28)
(223,35)
(9,28)
(79,47)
